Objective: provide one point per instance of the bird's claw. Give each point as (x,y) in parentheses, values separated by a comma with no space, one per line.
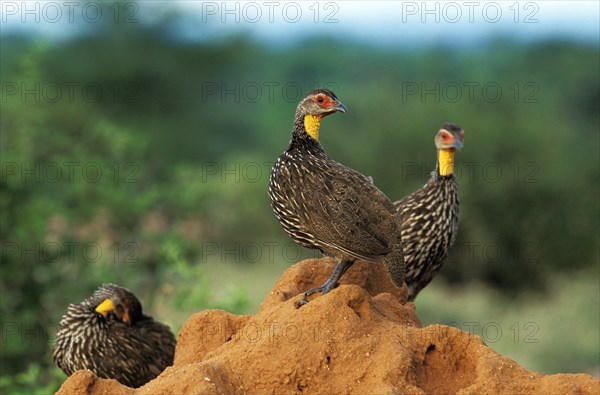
(311,291)
(301,302)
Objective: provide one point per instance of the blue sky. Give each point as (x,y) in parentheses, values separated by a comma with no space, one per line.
(403,23)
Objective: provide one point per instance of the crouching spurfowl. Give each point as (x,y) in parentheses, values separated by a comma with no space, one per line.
(108,334)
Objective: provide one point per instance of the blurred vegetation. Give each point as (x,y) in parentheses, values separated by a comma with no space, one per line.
(560,338)
(132,157)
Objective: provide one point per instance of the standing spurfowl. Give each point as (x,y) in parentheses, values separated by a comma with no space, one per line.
(325,205)
(430,215)
(109,335)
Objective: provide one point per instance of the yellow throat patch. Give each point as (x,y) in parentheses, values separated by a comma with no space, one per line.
(105,307)
(446,161)
(312,124)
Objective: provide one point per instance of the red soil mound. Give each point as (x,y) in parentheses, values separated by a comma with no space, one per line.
(363,337)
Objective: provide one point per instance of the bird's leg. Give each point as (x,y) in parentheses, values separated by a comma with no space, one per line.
(331,282)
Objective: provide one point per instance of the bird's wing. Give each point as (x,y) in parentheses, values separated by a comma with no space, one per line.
(345,211)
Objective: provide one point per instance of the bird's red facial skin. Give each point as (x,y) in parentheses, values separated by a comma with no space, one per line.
(445,135)
(448,139)
(324,101)
(126,318)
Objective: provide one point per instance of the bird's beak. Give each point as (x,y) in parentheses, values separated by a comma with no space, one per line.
(457,144)
(105,307)
(340,107)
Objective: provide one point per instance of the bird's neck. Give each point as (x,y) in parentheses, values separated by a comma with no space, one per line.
(446,162)
(312,123)
(305,133)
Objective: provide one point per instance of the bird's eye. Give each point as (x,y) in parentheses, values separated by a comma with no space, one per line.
(320,99)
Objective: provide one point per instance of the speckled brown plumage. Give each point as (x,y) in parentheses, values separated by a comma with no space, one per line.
(430,218)
(122,344)
(325,205)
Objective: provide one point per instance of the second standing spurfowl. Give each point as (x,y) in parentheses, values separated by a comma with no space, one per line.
(325,205)
(430,215)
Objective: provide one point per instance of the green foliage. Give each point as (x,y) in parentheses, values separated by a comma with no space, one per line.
(142,184)
(28,382)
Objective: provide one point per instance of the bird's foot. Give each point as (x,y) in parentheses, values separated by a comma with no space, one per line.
(323,289)
(330,284)
(311,291)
